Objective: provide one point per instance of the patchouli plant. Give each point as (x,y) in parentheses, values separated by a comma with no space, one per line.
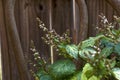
(100,55)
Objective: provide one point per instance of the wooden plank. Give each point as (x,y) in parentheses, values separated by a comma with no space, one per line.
(83,19)
(75,38)
(91,12)
(62,15)
(115,4)
(39,8)
(4,46)
(77,13)
(0,60)
(14,40)
(62,18)
(14,74)
(93,6)
(13,67)
(24,26)
(109,12)
(88,3)
(50,27)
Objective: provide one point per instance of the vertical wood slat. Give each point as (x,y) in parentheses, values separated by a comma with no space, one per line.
(62,15)
(83,30)
(12,62)
(94,21)
(39,9)
(4,46)
(24,25)
(74,14)
(74,21)
(50,27)
(62,18)
(77,22)
(14,40)
(13,66)
(0,59)
(109,12)
(91,13)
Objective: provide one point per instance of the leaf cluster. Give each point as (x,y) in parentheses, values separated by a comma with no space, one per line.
(101,54)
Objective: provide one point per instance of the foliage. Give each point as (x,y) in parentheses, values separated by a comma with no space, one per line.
(101,55)
(62,68)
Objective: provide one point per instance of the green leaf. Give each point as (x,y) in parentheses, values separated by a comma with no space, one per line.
(62,49)
(87,72)
(116,32)
(106,43)
(41,73)
(62,68)
(61,45)
(87,53)
(107,51)
(90,42)
(72,50)
(94,78)
(116,72)
(118,39)
(113,63)
(77,76)
(117,48)
(46,77)
(101,68)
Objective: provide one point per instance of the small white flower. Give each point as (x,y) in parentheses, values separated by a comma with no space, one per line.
(95,47)
(39,57)
(33,49)
(112,37)
(111,26)
(98,49)
(44,29)
(107,65)
(98,52)
(36,53)
(34,65)
(43,24)
(103,17)
(105,21)
(93,55)
(38,19)
(35,58)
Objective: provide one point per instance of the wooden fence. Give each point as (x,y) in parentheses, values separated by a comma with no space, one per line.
(79,16)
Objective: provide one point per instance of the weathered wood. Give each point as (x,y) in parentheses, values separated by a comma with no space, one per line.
(62,18)
(40,9)
(75,29)
(4,46)
(109,11)
(14,39)
(12,62)
(115,4)
(95,8)
(24,26)
(81,24)
(62,15)
(83,19)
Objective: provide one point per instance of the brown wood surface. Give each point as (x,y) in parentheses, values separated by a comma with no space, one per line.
(14,43)
(115,4)
(26,11)
(4,48)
